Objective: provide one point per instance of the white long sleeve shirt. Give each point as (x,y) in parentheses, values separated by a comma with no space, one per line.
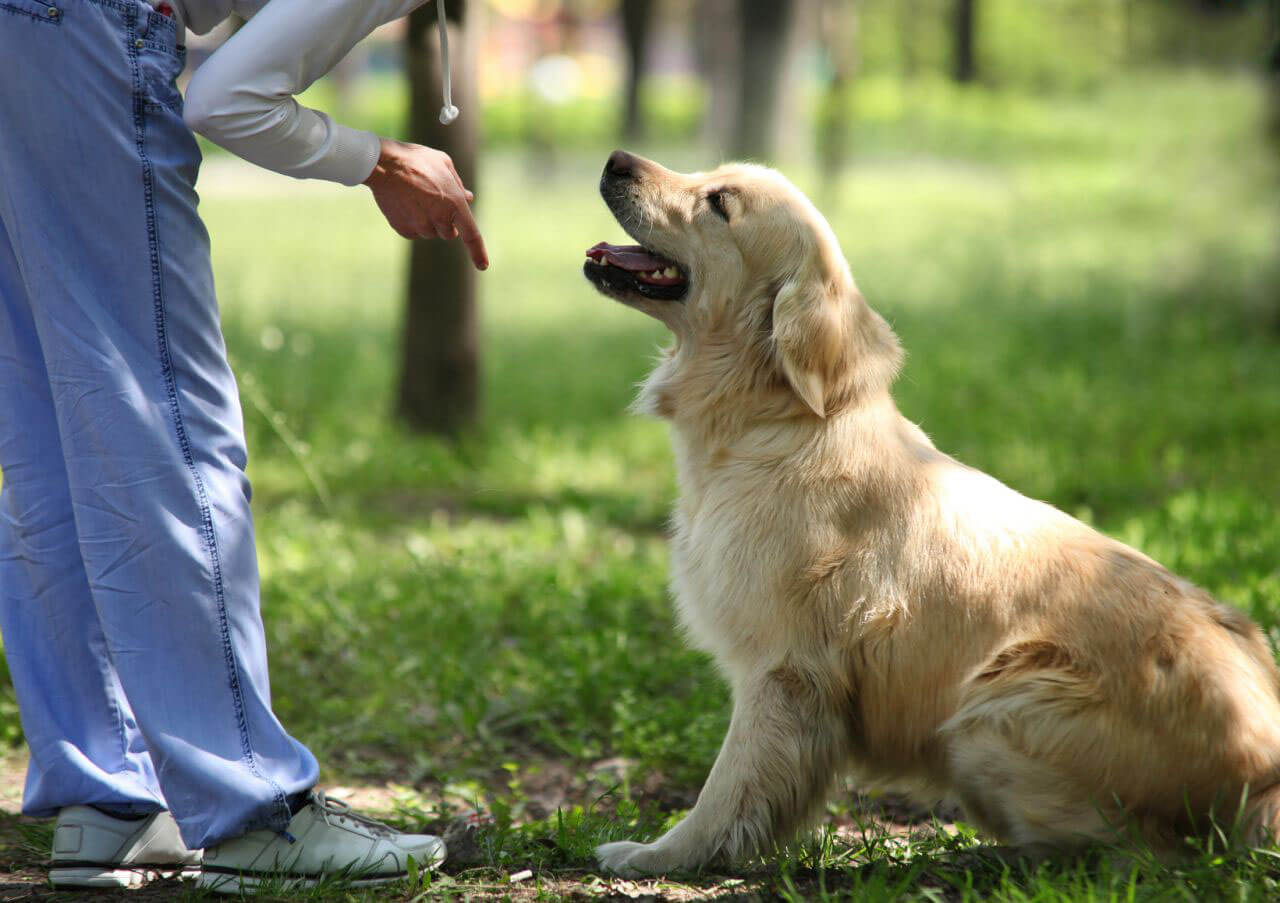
(243,96)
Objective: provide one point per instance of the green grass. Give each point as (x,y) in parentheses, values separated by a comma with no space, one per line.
(1087,289)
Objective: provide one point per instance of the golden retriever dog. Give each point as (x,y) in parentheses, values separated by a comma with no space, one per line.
(881,609)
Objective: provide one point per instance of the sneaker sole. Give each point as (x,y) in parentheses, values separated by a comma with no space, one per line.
(232,882)
(226,883)
(110,879)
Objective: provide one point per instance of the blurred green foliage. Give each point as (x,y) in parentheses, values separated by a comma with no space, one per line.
(903,56)
(1062,45)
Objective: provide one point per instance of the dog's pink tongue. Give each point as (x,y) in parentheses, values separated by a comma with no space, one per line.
(632,258)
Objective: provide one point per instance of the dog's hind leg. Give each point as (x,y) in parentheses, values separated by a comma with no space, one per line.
(1021,799)
(1262,818)
(786,740)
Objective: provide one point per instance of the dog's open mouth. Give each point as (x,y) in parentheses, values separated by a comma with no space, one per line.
(619,269)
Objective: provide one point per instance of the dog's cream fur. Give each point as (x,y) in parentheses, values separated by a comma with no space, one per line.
(880,608)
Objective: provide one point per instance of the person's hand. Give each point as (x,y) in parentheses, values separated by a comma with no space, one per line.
(421,195)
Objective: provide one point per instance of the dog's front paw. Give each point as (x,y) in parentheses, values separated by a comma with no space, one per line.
(632,860)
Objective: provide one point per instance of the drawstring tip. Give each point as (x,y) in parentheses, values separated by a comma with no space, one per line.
(448,112)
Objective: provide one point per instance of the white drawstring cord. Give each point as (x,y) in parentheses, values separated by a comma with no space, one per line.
(448,112)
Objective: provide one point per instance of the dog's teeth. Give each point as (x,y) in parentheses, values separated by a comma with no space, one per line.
(670,272)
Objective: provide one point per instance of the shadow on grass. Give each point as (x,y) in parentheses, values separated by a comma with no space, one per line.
(609,509)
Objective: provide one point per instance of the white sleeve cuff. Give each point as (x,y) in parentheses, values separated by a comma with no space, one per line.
(350,160)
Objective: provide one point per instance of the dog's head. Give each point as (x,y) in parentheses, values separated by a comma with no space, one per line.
(749,277)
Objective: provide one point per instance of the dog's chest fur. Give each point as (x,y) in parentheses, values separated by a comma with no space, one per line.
(738,541)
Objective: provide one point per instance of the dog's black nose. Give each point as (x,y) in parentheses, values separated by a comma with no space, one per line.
(621,165)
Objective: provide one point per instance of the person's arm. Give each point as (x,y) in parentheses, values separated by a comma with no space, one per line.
(243,98)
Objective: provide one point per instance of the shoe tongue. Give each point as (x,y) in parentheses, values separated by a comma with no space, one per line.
(327,806)
(298,801)
(632,258)
(121,813)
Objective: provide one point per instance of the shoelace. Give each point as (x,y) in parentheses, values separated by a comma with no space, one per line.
(331,808)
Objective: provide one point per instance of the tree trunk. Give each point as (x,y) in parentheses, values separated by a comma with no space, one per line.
(637,24)
(964,60)
(716,27)
(440,375)
(344,78)
(1272,74)
(765,38)
(908,14)
(839,41)
(1273,83)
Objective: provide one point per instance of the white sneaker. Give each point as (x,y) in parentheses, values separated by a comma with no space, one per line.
(94,849)
(325,840)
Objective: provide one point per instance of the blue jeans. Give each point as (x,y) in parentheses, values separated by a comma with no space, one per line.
(128,574)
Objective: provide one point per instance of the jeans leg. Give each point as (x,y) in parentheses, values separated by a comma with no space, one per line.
(102,215)
(85,744)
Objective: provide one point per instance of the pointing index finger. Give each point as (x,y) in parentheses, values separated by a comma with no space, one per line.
(470,234)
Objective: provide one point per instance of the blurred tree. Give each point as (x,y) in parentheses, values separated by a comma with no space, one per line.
(839,43)
(345,77)
(765,33)
(716,44)
(637,23)
(907,15)
(1273,91)
(439,378)
(964,57)
(1273,71)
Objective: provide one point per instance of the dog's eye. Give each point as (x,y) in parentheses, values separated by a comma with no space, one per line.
(716,200)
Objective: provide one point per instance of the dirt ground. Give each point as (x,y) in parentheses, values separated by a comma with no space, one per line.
(24,850)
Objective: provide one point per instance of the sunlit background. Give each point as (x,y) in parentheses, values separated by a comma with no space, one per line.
(866,63)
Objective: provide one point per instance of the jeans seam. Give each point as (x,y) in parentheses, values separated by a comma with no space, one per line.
(140,102)
(30,14)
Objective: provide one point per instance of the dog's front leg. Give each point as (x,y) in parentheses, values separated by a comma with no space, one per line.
(774,769)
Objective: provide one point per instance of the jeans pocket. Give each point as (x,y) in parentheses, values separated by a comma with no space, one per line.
(48,12)
(159,66)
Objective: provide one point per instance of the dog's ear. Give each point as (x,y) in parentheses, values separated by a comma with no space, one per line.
(811,325)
